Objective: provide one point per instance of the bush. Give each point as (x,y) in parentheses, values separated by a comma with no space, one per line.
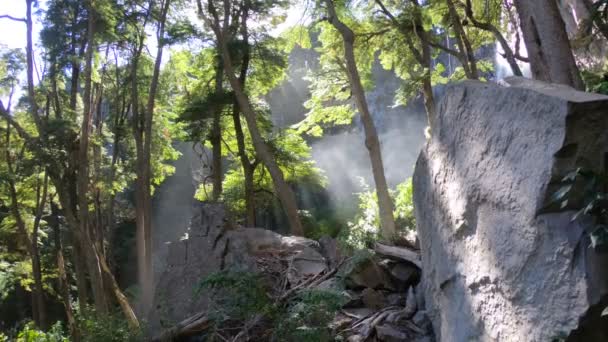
(105,328)
(237,295)
(308,316)
(29,333)
(365,229)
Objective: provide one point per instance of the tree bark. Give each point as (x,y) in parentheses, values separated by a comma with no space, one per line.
(549,50)
(93,262)
(248,168)
(508,52)
(38,306)
(216,136)
(464,45)
(372,142)
(422,56)
(144,217)
(64,285)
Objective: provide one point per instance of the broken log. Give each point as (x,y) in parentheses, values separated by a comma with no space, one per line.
(188,327)
(399,253)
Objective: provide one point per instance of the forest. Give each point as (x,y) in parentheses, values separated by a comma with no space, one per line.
(358,160)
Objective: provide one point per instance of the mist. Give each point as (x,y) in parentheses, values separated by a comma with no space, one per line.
(341,152)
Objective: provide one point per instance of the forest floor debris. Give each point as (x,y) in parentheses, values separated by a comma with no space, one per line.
(379,298)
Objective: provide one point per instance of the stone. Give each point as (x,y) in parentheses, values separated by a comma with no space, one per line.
(495,266)
(331,284)
(368,274)
(358,313)
(389,333)
(410,304)
(352,299)
(212,245)
(331,251)
(305,263)
(406,274)
(419,292)
(373,299)
(422,321)
(396,299)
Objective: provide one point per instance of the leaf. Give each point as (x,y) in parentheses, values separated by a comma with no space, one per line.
(599,237)
(560,193)
(571,176)
(605,312)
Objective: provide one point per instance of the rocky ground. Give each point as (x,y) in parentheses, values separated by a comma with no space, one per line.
(382,298)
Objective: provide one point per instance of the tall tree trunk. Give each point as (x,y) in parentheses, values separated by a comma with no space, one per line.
(372,142)
(93,262)
(282,189)
(144,217)
(38,306)
(248,168)
(463,42)
(422,56)
(216,135)
(486,26)
(36,264)
(64,285)
(549,49)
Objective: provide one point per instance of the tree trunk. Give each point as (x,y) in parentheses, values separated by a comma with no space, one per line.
(36,265)
(144,217)
(372,142)
(282,189)
(93,262)
(248,168)
(216,135)
(38,307)
(463,42)
(549,51)
(64,285)
(508,52)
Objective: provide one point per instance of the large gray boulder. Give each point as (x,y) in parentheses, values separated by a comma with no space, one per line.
(494,268)
(213,244)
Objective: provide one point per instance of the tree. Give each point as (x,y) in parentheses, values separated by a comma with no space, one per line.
(221,28)
(372,142)
(547,42)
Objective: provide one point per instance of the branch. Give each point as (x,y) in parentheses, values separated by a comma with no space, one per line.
(5,114)
(445,49)
(6,16)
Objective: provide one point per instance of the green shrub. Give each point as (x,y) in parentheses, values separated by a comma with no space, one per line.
(29,333)
(364,230)
(237,295)
(307,317)
(105,328)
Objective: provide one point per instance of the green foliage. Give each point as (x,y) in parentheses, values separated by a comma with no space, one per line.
(583,190)
(596,82)
(105,328)
(240,295)
(320,222)
(29,333)
(359,258)
(236,295)
(364,230)
(308,315)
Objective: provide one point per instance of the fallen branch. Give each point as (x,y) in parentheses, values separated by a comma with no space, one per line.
(188,327)
(311,282)
(399,253)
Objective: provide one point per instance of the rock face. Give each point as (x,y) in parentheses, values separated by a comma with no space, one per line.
(495,269)
(213,245)
(377,289)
